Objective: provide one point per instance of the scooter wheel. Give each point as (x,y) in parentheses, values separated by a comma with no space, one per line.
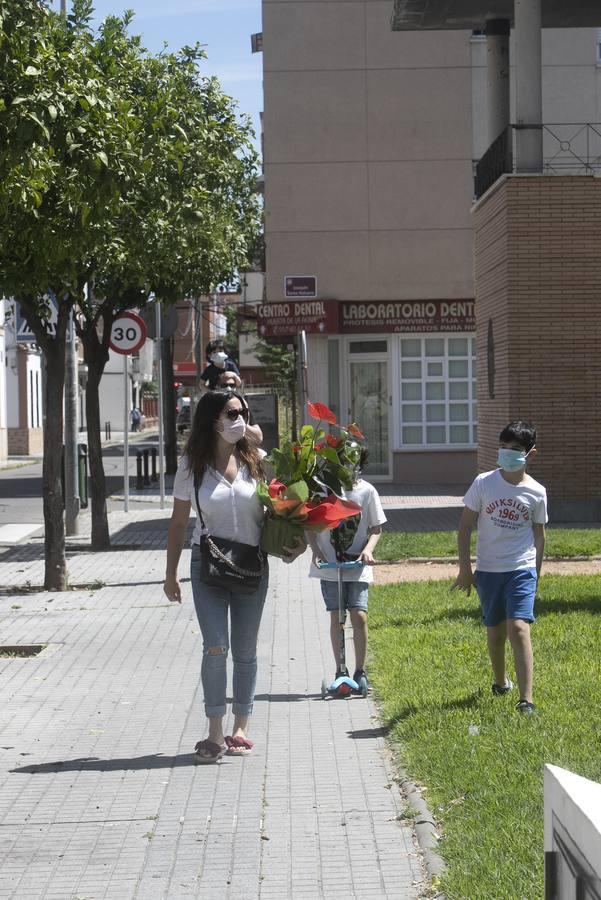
(363,687)
(324,689)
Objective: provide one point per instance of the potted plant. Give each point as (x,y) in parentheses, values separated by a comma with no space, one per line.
(310,476)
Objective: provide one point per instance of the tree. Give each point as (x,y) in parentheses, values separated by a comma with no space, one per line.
(64,162)
(281,361)
(187,221)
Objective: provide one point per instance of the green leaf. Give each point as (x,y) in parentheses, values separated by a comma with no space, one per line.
(299,491)
(52,112)
(31,70)
(103,157)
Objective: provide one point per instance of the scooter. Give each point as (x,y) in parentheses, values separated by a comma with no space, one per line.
(343,685)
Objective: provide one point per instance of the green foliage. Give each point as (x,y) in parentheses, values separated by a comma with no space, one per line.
(280,359)
(432,674)
(560,543)
(65,154)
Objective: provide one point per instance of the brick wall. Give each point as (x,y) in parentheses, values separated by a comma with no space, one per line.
(25,441)
(538,279)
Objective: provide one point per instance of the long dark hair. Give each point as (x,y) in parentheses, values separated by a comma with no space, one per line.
(202,443)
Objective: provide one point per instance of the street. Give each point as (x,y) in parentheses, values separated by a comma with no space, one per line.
(21,486)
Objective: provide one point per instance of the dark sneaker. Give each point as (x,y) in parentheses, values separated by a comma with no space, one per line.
(342,673)
(525,707)
(359,674)
(500,689)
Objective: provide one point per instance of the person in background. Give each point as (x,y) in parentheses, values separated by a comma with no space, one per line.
(229,381)
(218,363)
(136,419)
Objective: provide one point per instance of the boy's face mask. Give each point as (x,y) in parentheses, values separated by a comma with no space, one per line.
(512,460)
(218,358)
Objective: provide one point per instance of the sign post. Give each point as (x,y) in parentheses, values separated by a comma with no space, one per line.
(128,335)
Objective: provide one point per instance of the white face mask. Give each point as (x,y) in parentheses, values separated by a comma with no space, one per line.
(232,432)
(218,359)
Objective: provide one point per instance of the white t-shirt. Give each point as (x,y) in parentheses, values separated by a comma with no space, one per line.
(506,513)
(354,534)
(229,510)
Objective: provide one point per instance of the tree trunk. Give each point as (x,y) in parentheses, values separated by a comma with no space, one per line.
(168,400)
(95,354)
(55,575)
(94,357)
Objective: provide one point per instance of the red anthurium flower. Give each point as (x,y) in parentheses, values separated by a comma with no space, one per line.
(355,431)
(330,512)
(320,446)
(332,441)
(321,411)
(276,488)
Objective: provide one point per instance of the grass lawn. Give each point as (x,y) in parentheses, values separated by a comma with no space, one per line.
(561,542)
(431,673)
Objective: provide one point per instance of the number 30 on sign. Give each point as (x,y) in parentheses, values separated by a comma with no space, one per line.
(128,333)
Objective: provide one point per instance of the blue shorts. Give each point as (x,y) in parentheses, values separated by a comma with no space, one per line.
(354,593)
(506,595)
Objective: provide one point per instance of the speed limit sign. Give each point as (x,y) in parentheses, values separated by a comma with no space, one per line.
(128,333)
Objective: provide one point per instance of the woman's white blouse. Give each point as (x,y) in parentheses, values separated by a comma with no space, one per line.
(229,510)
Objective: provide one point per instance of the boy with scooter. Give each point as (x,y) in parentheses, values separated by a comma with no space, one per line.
(353,541)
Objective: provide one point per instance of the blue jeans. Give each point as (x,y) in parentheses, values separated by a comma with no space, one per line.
(245,610)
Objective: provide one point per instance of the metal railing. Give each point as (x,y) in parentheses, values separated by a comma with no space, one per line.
(568,149)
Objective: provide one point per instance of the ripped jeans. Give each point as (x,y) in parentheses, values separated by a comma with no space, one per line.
(245,610)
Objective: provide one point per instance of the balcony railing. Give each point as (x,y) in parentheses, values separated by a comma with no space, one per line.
(568,149)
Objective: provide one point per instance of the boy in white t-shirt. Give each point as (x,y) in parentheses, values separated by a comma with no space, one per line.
(355,538)
(510,510)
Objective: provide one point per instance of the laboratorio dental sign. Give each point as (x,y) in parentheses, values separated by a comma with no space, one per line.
(409,316)
(277,320)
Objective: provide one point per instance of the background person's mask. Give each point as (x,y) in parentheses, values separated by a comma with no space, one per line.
(218,359)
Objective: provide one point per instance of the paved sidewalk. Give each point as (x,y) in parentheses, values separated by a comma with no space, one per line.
(99,796)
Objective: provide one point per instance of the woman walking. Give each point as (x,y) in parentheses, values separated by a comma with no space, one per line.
(219,473)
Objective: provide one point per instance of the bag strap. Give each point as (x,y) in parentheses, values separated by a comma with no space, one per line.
(198,509)
(216,552)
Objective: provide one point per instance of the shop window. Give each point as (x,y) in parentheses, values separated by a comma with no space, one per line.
(411,391)
(434,347)
(438,375)
(411,370)
(368,347)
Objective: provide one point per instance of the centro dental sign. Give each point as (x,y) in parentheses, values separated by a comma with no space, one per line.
(408,316)
(281,320)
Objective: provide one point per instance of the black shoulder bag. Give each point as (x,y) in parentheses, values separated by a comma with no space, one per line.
(229,564)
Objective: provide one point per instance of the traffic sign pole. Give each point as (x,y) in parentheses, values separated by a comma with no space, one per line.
(159,323)
(125,433)
(128,335)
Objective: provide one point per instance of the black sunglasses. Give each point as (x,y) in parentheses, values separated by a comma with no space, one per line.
(234,413)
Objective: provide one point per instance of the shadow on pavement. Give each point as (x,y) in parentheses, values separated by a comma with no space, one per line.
(94,763)
(286,698)
(369,733)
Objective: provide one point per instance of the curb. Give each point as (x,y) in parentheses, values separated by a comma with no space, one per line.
(454,560)
(425,829)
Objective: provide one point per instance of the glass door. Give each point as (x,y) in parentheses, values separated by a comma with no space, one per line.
(369,408)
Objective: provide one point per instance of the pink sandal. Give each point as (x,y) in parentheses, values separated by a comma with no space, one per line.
(208,752)
(238,746)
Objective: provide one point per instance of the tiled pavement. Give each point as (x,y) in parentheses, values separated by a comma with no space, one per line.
(99,796)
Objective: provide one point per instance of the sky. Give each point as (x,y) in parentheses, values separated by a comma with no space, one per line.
(224,26)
